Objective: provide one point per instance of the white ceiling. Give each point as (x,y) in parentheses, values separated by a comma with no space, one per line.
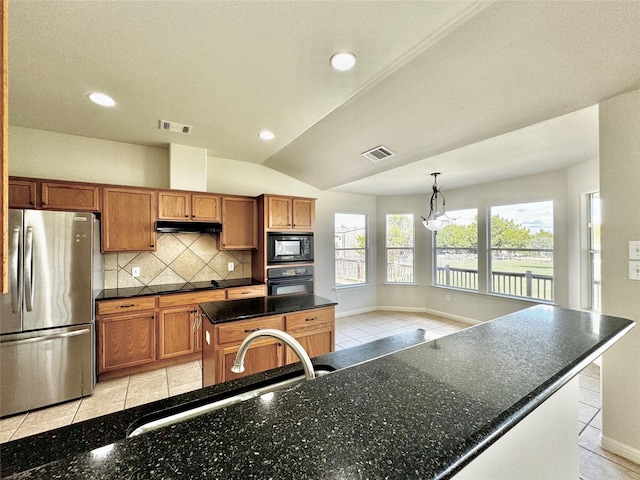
(442,84)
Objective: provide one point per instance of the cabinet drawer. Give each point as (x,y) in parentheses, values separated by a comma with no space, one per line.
(110,307)
(192,298)
(246,292)
(237,331)
(309,319)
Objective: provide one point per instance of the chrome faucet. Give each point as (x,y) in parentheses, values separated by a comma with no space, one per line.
(238,363)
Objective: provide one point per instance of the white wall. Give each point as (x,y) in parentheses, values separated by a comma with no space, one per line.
(547,186)
(619,184)
(40,154)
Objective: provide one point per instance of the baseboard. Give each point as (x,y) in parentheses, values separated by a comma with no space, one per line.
(457,318)
(401,309)
(355,312)
(621,449)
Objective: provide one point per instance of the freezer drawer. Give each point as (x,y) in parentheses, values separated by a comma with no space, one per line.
(51,367)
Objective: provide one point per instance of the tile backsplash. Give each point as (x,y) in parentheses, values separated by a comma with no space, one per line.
(179,258)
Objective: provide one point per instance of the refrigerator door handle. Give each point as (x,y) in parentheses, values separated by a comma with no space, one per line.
(13,270)
(28,270)
(56,336)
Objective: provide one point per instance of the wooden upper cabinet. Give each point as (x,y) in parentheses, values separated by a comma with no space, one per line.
(205,208)
(69,196)
(290,213)
(54,195)
(128,217)
(197,207)
(303,213)
(173,206)
(22,193)
(239,223)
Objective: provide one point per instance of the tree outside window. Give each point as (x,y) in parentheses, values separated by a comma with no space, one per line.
(522,250)
(350,249)
(457,251)
(399,248)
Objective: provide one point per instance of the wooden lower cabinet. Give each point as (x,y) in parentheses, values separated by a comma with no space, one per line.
(176,331)
(173,332)
(314,330)
(127,340)
(261,356)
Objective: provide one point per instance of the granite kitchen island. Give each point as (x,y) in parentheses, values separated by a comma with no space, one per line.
(430,410)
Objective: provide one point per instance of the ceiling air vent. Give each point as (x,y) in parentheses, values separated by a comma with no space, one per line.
(378,153)
(175,127)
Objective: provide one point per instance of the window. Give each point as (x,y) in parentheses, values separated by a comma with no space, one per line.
(594,249)
(399,248)
(351,249)
(521,250)
(457,251)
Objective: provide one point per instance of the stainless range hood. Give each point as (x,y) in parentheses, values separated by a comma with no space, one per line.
(167,226)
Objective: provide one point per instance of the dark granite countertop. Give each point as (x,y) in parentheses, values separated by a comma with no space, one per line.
(422,412)
(226,311)
(115,293)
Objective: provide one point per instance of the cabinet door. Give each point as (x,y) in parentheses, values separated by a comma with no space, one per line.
(314,343)
(239,223)
(205,208)
(198,330)
(173,206)
(303,213)
(22,194)
(61,196)
(279,213)
(176,332)
(126,341)
(128,217)
(261,356)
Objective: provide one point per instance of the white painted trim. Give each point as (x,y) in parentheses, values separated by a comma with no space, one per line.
(401,309)
(457,318)
(619,448)
(355,312)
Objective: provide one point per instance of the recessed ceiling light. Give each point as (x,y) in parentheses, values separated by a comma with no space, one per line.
(102,99)
(343,61)
(266,135)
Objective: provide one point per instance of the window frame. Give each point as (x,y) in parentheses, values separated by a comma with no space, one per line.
(595,303)
(412,248)
(528,279)
(365,249)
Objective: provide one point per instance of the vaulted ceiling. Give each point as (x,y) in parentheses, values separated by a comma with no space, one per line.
(476,90)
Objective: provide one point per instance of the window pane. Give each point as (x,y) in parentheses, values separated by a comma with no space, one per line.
(457,251)
(400,230)
(522,250)
(400,265)
(525,225)
(350,249)
(399,243)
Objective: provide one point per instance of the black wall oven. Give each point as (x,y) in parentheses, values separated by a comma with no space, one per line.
(286,280)
(285,247)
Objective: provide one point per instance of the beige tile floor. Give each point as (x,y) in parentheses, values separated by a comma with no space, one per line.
(114,395)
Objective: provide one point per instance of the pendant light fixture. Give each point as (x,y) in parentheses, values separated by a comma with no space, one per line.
(437,218)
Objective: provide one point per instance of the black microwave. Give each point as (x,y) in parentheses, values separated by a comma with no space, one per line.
(284,247)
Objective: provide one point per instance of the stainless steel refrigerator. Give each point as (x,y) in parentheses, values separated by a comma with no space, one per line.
(47,318)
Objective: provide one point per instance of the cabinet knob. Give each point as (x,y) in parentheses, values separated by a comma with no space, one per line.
(43,203)
(186,216)
(247,330)
(311,319)
(32,202)
(193,216)
(151,245)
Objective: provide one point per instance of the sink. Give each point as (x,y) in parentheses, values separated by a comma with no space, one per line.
(194,409)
